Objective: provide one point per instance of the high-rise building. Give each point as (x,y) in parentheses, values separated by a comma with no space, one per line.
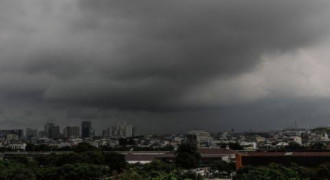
(52,131)
(31,133)
(122,129)
(55,132)
(86,129)
(48,129)
(71,132)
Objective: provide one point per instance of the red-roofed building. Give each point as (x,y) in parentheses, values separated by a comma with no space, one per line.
(208,156)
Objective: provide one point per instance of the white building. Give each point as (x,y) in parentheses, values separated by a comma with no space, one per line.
(201,138)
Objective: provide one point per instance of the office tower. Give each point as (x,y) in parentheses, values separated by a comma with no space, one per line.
(52,131)
(86,129)
(31,133)
(72,132)
(48,129)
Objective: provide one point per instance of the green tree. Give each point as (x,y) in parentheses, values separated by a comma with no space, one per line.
(272,171)
(129,175)
(115,161)
(83,147)
(158,165)
(187,156)
(47,160)
(49,173)
(12,170)
(83,171)
(318,146)
(20,159)
(222,166)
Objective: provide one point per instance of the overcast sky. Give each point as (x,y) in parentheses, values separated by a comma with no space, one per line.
(165,65)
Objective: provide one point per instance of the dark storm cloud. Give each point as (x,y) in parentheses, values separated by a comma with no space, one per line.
(145,55)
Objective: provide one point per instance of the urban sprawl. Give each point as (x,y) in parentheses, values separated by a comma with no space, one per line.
(303,147)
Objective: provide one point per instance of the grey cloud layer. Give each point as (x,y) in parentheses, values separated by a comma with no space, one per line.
(142,55)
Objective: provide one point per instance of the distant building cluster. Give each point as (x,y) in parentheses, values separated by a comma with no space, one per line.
(245,148)
(52,135)
(121,129)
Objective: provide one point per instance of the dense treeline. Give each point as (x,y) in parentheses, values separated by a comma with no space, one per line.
(88,162)
(280,172)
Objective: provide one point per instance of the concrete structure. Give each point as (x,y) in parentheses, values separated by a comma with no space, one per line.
(297,140)
(12,137)
(208,156)
(71,132)
(122,129)
(86,129)
(48,129)
(18,132)
(201,138)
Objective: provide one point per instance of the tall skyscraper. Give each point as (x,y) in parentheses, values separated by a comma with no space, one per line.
(48,129)
(52,131)
(86,129)
(71,132)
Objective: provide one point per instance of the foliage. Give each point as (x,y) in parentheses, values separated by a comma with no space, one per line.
(272,171)
(186,160)
(158,170)
(13,170)
(82,171)
(129,175)
(19,158)
(187,156)
(318,146)
(115,161)
(222,167)
(83,147)
(49,173)
(88,165)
